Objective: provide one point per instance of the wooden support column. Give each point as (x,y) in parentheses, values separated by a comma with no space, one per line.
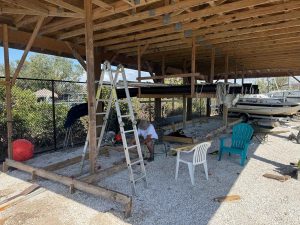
(97,75)
(8,92)
(139,61)
(157,108)
(192,81)
(184,108)
(226,68)
(225,107)
(89,43)
(211,79)
(157,101)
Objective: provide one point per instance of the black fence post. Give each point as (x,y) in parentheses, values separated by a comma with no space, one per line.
(53,114)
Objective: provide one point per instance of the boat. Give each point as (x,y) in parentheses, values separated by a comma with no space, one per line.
(263,105)
(289,95)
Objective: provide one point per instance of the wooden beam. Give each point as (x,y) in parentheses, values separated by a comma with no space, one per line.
(139,61)
(104,5)
(27,49)
(28,5)
(225,107)
(64,163)
(136,17)
(143,49)
(76,54)
(7,93)
(212,65)
(193,66)
(66,5)
(123,199)
(91,84)
(185,75)
(296,79)
(94,178)
(226,68)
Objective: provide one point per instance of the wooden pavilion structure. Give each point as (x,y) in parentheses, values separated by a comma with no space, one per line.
(194,39)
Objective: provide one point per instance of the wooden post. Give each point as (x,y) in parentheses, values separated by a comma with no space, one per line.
(226,68)
(211,79)
(89,39)
(139,61)
(157,108)
(225,107)
(97,75)
(193,66)
(192,81)
(184,108)
(8,92)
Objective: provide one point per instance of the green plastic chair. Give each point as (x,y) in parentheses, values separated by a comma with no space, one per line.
(240,140)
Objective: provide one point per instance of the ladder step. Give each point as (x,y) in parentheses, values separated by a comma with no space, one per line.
(102,113)
(125,100)
(123,116)
(98,126)
(128,131)
(136,162)
(132,146)
(139,178)
(103,100)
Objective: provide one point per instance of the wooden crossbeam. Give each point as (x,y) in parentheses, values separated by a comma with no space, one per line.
(76,54)
(66,5)
(195,75)
(27,49)
(136,17)
(103,5)
(30,5)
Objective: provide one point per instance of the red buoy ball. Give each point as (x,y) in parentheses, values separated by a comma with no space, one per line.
(22,150)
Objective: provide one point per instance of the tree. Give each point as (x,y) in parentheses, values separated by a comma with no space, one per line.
(40,66)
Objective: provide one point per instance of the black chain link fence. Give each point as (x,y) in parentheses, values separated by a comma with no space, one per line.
(40,108)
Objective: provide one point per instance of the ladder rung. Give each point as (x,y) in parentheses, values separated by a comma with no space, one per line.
(132,146)
(123,116)
(136,162)
(103,100)
(102,113)
(125,100)
(99,126)
(128,131)
(139,178)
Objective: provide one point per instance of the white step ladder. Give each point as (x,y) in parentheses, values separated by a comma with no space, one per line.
(114,76)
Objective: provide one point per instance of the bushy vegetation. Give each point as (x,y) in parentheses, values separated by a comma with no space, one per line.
(33,119)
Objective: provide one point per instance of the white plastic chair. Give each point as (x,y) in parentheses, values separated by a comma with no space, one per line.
(194,157)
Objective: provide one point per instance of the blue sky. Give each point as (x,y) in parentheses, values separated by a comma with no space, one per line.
(15,54)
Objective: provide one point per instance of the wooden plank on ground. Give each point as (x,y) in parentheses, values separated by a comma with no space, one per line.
(186,140)
(94,178)
(21,199)
(65,163)
(27,191)
(228,198)
(121,198)
(277,177)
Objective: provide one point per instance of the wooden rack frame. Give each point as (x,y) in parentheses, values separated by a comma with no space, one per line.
(118,197)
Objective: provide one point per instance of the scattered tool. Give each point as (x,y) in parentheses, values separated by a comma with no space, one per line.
(277,177)
(228,198)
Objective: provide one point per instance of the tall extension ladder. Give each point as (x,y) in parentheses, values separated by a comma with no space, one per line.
(113,79)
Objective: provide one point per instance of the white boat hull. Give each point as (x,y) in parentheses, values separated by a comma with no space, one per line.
(266,110)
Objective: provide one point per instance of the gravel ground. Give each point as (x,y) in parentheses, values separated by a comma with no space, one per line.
(165,201)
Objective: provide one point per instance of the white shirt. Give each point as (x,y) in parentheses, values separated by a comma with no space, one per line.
(150,131)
